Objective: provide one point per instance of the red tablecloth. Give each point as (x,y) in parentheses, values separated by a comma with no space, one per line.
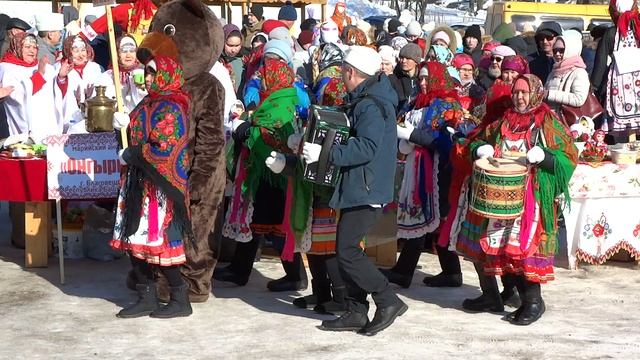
(23,180)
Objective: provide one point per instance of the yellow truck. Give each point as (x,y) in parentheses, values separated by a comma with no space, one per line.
(529,15)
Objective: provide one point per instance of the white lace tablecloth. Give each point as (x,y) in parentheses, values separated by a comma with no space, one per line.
(603,217)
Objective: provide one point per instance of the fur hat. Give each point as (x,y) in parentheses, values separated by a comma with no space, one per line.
(453,43)
(364,59)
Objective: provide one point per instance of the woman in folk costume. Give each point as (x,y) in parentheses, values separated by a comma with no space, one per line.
(128,64)
(132,92)
(29,108)
(340,16)
(263,203)
(254,88)
(443,55)
(422,204)
(623,89)
(76,79)
(328,289)
(152,216)
(525,247)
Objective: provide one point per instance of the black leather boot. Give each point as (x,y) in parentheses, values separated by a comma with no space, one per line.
(295,278)
(397,278)
(349,321)
(490,299)
(147,302)
(321,293)
(226,274)
(532,305)
(178,305)
(443,280)
(337,305)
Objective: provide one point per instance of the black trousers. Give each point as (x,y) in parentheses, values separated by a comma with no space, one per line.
(360,275)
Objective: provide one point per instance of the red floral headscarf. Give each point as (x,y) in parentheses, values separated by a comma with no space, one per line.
(439,84)
(276,75)
(168,81)
(14,54)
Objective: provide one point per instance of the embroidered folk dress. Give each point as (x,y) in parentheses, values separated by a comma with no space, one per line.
(526,245)
(158,168)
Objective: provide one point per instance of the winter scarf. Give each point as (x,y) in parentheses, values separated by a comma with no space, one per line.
(14,54)
(439,84)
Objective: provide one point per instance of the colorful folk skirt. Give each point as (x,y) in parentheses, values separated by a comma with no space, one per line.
(518,246)
(157,240)
(323,232)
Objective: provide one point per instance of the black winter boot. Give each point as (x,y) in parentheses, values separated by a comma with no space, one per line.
(321,293)
(490,299)
(147,302)
(178,305)
(336,306)
(295,278)
(532,305)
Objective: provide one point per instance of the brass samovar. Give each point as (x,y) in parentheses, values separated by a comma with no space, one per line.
(99,110)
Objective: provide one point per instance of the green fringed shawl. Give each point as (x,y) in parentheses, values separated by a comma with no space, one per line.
(551,184)
(274,119)
(272,123)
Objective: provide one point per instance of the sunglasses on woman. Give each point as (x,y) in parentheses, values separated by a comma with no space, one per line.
(558,50)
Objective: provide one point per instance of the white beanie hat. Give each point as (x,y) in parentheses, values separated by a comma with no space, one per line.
(50,22)
(364,59)
(503,51)
(388,54)
(413,29)
(441,35)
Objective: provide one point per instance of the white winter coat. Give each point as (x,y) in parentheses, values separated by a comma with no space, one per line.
(571,88)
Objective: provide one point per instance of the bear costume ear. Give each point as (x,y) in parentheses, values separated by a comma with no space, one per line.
(195,7)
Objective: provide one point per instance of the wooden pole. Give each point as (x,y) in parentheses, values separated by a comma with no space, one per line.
(116,72)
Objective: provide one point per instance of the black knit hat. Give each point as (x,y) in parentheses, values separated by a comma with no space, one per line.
(394,24)
(474,32)
(257,11)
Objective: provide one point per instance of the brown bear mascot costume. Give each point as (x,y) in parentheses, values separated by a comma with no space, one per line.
(188,30)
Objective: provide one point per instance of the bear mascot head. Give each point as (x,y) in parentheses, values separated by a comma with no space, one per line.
(187,30)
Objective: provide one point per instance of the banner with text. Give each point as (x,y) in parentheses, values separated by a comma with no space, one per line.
(83,166)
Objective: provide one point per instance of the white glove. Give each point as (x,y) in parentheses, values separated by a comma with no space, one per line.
(120,120)
(485,151)
(236,123)
(15,139)
(276,162)
(535,155)
(293,142)
(405,147)
(404,132)
(311,152)
(120,152)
